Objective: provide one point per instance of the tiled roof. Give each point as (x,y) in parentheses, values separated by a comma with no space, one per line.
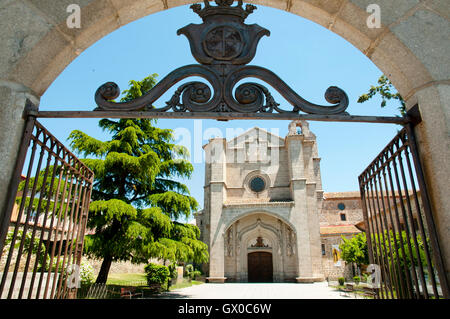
(339,229)
(354,194)
(332,195)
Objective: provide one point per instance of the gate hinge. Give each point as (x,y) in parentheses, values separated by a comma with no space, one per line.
(413,115)
(30,109)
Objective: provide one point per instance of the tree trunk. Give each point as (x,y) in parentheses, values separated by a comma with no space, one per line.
(104,270)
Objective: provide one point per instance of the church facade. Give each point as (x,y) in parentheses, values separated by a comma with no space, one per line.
(266,217)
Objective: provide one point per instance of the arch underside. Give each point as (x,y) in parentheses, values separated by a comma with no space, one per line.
(53,45)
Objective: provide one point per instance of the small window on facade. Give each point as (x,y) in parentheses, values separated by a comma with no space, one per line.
(341,206)
(343,217)
(323,249)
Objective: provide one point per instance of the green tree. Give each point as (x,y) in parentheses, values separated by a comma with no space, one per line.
(136,200)
(354,250)
(384,89)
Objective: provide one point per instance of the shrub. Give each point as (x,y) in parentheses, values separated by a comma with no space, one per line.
(87,275)
(157,274)
(356,279)
(195,274)
(173,271)
(191,273)
(173,274)
(365,277)
(188,270)
(341,281)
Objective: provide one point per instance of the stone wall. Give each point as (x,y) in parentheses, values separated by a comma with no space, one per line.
(330,270)
(331,216)
(123,267)
(331,213)
(118,267)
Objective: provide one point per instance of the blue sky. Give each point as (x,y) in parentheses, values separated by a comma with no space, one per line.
(305,55)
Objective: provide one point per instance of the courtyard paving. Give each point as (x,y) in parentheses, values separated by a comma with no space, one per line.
(318,290)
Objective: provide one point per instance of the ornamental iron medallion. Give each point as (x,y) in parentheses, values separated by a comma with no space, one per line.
(223,45)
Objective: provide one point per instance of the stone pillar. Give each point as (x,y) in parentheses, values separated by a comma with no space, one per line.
(215,157)
(12,103)
(299,216)
(318,273)
(314,232)
(433,138)
(302,152)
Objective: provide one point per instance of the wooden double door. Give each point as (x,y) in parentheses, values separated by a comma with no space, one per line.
(260,267)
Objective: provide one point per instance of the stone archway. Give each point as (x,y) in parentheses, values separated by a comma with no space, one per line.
(263,233)
(409,47)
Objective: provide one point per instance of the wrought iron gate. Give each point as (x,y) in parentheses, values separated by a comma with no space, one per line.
(399,224)
(43,229)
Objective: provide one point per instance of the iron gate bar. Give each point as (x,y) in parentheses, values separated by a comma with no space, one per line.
(384,227)
(405,219)
(381,259)
(28,216)
(58,226)
(61,241)
(421,227)
(370,175)
(395,282)
(33,234)
(221,116)
(393,277)
(35,203)
(73,225)
(397,220)
(29,127)
(82,222)
(399,279)
(66,233)
(48,242)
(399,194)
(413,228)
(41,238)
(428,211)
(15,179)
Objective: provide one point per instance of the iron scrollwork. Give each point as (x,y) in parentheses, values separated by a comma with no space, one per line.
(223,45)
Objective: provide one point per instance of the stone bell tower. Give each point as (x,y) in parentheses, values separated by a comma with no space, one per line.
(307,194)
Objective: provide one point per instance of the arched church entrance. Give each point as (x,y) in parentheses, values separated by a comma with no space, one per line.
(260,266)
(260,247)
